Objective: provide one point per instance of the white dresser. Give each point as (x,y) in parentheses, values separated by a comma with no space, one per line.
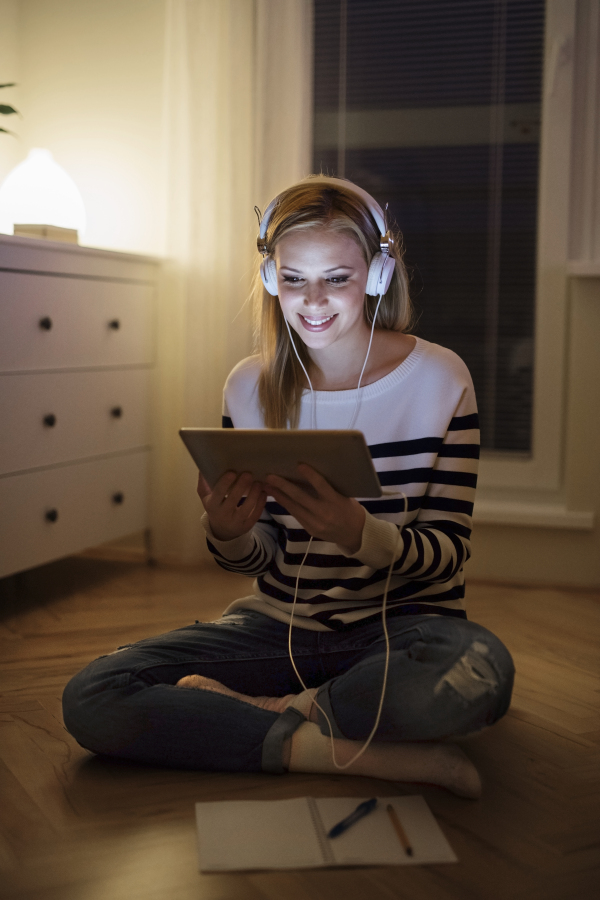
(76,353)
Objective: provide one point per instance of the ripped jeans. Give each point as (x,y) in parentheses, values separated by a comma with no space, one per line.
(447,677)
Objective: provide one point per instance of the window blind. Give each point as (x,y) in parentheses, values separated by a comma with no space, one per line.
(433,106)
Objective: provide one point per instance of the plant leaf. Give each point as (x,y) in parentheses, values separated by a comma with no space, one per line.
(12,84)
(7,110)
(6,131)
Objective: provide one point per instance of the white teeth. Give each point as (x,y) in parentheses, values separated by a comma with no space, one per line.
(316,321)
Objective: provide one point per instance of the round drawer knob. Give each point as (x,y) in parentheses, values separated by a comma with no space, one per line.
(50,420)
(118,498)
(116,412)
(51,515)
(45,323)
(114,324)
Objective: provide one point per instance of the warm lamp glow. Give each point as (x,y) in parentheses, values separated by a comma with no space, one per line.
(39,192)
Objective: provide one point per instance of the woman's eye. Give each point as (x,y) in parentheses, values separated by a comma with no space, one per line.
(296,279)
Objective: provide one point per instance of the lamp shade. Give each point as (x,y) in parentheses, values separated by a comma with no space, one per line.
(39,192)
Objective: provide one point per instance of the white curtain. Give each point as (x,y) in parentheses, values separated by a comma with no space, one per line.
(237,128)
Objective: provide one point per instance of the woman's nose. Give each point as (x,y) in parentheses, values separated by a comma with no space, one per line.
(316,295)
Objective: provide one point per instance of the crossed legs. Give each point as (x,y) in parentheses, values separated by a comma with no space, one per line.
(308,750)
(445,679)
(186,699)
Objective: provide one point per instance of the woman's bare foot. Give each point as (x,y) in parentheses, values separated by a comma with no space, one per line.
(201,683)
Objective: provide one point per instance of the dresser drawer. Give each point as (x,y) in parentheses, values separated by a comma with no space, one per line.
(53,322)
(55,417)
(59,511)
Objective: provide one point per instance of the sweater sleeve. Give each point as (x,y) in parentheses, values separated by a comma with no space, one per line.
(436,544)
(251,553)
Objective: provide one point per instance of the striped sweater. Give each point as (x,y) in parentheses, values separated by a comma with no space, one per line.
(420,423)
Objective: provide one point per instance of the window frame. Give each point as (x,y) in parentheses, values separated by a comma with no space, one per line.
(529,489)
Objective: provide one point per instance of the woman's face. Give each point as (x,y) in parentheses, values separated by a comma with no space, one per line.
(321,277)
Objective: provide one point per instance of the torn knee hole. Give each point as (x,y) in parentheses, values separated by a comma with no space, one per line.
(472,675)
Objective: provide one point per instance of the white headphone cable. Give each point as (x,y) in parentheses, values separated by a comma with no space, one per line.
(362,371)
(387,645)
(312,393)
(391,566)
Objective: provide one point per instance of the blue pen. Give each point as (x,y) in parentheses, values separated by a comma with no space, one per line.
(363,809)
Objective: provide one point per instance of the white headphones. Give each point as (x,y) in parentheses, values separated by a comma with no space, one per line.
(382,264)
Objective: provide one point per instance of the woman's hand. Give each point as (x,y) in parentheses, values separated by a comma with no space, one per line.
(328,515)
(228,517)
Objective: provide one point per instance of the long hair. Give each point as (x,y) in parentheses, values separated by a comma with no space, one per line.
(314,203)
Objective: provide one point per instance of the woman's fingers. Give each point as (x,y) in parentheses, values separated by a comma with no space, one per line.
(254,497)
(308,517)
(223,486)
(238,498)
(228,491)
(240,488)
(315,504)
(294,491)
(314,478)
(237,501)
(234,505)
(326,514)
(322,488)
(256,508)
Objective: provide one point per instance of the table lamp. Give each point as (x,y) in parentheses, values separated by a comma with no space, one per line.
(39,199)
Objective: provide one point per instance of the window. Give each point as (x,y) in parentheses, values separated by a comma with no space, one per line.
(435,107)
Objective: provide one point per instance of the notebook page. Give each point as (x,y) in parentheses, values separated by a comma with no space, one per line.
(373,841)
(256,834)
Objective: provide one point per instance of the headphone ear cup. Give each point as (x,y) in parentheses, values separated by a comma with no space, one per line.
(268,273)
(380,274)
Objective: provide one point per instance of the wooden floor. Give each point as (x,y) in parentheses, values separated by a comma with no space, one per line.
(76,827)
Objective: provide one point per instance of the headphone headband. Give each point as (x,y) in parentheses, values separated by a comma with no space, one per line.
(371,204)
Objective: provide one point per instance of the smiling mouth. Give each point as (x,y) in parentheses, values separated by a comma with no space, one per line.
(314,322)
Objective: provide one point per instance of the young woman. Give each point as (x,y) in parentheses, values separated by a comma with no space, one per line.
(225,695)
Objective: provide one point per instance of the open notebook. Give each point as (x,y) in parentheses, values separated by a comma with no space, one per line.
(292,834)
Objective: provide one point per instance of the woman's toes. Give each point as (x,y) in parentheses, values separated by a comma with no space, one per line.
(200,682)
(191,681)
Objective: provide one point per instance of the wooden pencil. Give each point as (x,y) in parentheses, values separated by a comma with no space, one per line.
(399,830)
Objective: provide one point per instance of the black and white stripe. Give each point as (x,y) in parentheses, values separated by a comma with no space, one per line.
(436,470)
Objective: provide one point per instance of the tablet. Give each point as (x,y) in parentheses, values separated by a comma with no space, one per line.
(342,457)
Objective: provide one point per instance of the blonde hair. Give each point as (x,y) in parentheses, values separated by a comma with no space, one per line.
(316,204)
